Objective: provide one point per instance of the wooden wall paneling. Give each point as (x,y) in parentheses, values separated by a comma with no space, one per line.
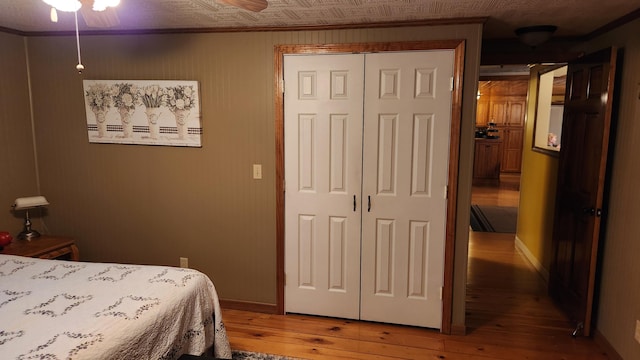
(18,174)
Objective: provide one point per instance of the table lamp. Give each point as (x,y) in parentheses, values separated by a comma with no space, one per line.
(27,203)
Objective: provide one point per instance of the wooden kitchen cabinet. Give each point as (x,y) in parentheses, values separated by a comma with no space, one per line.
(516,111)
(486,161)
(482,112)
(504,103)
(498,111)
(507,110)
(512,142)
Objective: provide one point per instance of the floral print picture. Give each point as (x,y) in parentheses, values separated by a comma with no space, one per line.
(148,112)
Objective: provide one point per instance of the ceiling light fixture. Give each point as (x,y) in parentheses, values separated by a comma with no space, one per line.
(535,35)
(64,5)
(54,15)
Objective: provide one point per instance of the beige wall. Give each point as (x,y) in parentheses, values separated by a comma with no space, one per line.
(153,204)
(619,301)
(18,176)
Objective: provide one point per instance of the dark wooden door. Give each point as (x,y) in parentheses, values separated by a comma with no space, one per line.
(580,187)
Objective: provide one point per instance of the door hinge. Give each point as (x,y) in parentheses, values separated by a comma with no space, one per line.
(451,85)
(441,291)
(446,191)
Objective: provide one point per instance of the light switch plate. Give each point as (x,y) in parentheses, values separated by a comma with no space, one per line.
(257,171)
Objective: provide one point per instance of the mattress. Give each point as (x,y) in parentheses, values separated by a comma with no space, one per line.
(54,309)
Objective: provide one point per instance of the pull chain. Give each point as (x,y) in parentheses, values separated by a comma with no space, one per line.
(79,67)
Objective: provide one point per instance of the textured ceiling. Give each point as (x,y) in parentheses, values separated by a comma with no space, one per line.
(573,17)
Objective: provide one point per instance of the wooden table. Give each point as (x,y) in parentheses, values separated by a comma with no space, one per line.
(44,247)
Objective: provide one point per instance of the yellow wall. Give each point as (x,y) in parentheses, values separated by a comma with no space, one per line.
(537,189)
(154,204)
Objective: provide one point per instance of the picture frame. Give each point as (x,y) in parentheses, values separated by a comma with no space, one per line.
(547,131)
(143,112)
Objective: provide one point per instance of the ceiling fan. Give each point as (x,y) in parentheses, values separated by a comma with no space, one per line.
(102,13)
(96,13)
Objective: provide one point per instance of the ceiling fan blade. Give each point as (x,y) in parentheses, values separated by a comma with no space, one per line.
(98,19)
(251,5)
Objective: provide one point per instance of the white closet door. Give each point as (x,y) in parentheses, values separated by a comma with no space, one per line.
(323,165)
(407,125)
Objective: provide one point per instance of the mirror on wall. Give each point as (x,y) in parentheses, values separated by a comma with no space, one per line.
(548,123)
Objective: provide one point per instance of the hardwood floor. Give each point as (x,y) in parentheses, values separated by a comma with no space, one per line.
(507,194)
(508,316)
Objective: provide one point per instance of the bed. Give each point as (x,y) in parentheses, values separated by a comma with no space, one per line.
(54,309)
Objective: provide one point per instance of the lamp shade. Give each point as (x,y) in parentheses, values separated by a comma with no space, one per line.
(26,203)
(30,202)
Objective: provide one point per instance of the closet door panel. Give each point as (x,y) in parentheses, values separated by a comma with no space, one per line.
(323,167)
(407,122)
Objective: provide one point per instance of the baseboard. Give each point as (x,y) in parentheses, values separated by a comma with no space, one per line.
(249,306)
(532,259)
(599,339)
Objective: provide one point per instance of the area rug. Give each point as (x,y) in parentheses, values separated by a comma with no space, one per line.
(501,219)
(249,355)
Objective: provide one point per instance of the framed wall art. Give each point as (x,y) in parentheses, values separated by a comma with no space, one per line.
(144,112)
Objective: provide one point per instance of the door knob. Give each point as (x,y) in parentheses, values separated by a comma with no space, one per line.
(592,212)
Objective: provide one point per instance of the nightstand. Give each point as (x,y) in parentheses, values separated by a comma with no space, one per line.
(44,247)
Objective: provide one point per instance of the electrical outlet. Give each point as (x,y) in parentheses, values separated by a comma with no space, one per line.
(184,262)
(637,331)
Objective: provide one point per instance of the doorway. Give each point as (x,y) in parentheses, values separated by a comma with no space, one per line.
(568,264)
(499,141)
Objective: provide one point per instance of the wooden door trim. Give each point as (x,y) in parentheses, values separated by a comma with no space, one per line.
(454,150)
